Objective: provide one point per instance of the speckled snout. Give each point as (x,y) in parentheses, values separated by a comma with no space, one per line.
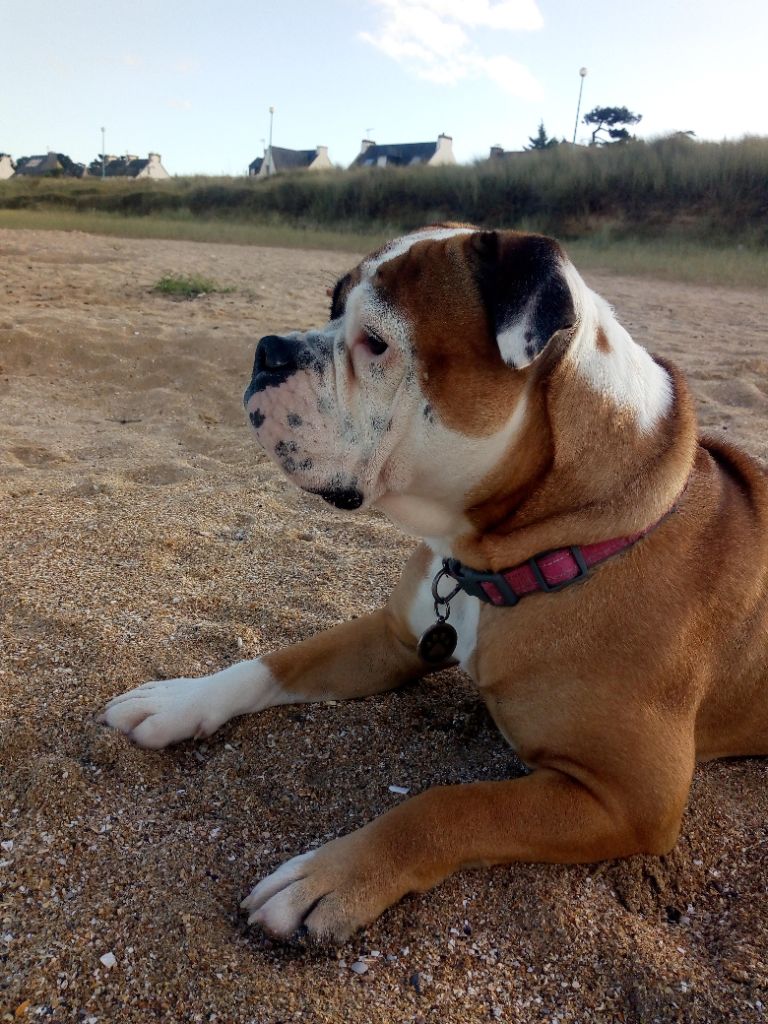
(291,404)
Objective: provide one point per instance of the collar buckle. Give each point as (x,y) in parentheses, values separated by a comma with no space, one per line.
(471,582)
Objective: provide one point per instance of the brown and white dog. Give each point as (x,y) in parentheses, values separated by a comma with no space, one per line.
(471,386)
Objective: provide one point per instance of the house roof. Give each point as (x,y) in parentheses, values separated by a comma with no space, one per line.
(255,165)
(288,159)
(125,167)
(401,153)
(51,163)
(32,164)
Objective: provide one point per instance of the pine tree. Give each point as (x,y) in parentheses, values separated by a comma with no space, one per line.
(540,140)
(612,121)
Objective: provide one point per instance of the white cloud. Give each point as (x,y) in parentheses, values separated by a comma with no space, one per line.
(514,15)
(433,39)
(512,76)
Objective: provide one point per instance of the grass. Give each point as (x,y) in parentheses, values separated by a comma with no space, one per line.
(185,227)
(180,287)
(665,258)
(729,266)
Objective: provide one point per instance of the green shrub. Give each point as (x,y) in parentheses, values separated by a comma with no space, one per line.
(181,287)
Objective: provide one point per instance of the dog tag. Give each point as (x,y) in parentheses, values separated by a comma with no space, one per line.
(437,643)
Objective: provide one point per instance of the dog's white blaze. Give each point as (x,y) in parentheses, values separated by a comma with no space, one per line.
(400,245)
(465,611)
(626,375)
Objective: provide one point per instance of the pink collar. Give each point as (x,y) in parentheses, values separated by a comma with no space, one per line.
(549,571)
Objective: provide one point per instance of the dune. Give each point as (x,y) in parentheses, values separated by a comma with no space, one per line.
(144,535)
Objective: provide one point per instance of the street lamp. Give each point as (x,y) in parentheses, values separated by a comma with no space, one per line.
(270,163)
(103,155)
(583,73)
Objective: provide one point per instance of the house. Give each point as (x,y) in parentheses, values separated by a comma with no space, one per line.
(276,160)
(129,166)
(52,164)
(499,153)
(7,166)
(405,154)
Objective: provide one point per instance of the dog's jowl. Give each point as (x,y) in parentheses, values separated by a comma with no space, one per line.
(605,570)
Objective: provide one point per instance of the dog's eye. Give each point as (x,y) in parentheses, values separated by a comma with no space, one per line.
(375,345)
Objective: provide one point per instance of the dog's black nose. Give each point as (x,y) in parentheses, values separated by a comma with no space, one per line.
(276,355)
(276,359)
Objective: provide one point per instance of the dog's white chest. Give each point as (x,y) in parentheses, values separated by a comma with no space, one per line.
(464,614)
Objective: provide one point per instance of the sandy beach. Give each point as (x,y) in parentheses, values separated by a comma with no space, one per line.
(144,535)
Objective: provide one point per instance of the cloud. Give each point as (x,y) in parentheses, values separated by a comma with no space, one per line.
(176,104)
(434,40)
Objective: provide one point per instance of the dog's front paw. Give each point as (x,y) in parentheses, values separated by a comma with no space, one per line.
(158,714)
(327,893)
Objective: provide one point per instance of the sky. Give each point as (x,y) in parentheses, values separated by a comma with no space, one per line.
(194,79)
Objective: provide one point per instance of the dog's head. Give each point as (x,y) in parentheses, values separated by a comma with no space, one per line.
(410,394)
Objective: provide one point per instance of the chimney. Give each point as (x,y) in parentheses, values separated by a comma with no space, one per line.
(444,151)
(496,152)
(366,144)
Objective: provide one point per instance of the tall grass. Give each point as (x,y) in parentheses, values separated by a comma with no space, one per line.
(703,191)
(678,260)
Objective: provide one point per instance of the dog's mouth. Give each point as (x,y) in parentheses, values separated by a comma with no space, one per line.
(301,467)
(346,498)
(297,441)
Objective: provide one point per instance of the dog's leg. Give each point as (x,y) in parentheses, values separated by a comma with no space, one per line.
(355,659)
(548,816)
(368,655)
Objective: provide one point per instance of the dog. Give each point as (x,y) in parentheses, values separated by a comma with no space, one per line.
(597,569)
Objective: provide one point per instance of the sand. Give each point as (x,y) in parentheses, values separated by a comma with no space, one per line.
(144,535)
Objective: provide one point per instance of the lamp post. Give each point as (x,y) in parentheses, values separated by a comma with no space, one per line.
(270,163)
(103,155)
(583,74)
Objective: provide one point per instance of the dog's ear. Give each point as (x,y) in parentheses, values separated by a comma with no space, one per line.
(523,288)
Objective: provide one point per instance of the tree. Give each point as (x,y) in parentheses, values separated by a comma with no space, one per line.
(540,140)
(611,120)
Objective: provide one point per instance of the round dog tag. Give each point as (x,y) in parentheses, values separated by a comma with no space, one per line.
(437,643)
